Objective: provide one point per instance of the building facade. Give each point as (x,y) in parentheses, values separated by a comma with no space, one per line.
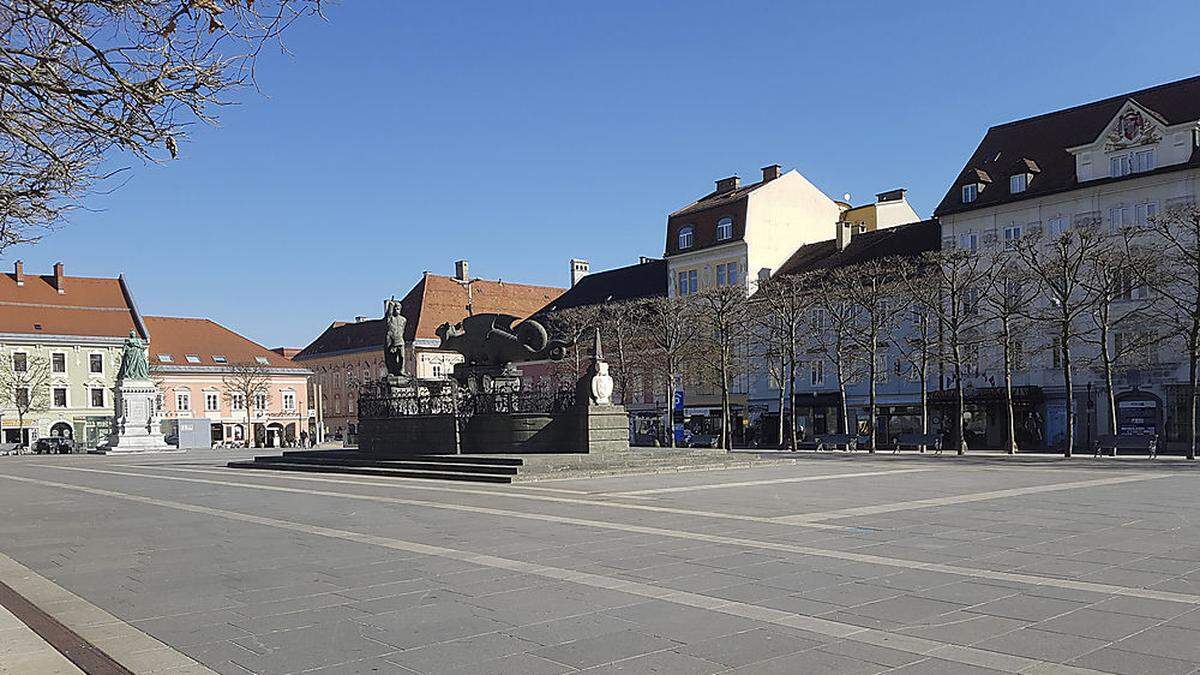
(76,327)
(210,376)
(1109,164)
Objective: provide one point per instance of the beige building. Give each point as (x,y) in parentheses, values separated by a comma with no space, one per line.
(196,364)
(76,326)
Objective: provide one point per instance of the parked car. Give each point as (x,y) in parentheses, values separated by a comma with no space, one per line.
(54,445)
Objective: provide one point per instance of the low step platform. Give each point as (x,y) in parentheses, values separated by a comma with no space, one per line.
(432,467)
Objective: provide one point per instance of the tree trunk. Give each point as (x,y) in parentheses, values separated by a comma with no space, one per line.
(726,436)
(844,422)
(1191,414)
(782,392)
(871,394)
(670,430)
(1110,395)
(1067,382)
(792,444)
(1010,431)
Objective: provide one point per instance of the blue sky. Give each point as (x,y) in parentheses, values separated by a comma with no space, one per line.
(398,137)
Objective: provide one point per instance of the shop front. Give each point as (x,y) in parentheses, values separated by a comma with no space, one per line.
(817,414)
(985,417)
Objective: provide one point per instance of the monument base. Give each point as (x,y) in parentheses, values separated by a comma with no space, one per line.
(136,426)
(603,428)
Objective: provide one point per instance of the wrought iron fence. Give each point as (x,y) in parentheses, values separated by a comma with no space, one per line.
(381,403)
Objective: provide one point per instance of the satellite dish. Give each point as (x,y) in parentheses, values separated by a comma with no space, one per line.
(846,197)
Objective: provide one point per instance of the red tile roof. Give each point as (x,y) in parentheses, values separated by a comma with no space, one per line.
(205,339)
(88,306)
(435,300)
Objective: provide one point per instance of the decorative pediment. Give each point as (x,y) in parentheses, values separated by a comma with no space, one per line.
(1132,126)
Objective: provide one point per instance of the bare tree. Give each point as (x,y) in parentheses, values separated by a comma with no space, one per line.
(871,287)
(668,331)
(1009,293)
(950,285)
(24,386)
(831,334)
(576,325)
(82,78)
(618,325)
(780,309)
(245,383)
(1059,264)
(1176,284)
(725,320)
(916,342)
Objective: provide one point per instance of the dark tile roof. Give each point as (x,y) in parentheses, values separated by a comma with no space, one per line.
(643,280)
(908,240)
(1044,139)
(345,337)
(715,199)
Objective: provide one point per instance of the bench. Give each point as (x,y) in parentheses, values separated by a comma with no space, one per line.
(846,442)
(1132,442)
(9,448)
(918,442)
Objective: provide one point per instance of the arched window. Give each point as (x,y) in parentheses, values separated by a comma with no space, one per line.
(686,236)
(725,228)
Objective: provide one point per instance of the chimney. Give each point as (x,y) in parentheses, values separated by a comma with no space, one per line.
(844,232)
(579,270)
(58,278)
(19,272)
(896,195)
(359,319)
(770,173)
(728,184)
(462,270)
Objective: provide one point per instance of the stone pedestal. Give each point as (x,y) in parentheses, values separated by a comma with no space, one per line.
(136,428)
(603,428)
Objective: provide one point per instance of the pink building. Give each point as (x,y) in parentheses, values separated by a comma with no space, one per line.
(197,363)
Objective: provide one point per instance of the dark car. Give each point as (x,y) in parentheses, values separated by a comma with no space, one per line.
(54,445)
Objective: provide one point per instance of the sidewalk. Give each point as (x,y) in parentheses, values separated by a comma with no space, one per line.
(24,651)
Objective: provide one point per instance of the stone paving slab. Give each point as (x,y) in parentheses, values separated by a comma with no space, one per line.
(246,572)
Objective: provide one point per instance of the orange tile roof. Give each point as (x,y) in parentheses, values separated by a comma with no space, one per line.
(435,300)
(204,339)
(89,306)
(444,300)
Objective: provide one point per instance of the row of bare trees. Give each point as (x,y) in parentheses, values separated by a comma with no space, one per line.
(1105,300)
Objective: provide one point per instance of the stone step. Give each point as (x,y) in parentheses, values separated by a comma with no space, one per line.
(416,463)
(447,473)
(446,459)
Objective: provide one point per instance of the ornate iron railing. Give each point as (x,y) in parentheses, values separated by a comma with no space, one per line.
(378,402)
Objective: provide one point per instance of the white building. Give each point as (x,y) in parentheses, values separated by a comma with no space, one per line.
(1118,162)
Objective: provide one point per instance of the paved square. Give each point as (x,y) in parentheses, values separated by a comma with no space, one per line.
(839,564)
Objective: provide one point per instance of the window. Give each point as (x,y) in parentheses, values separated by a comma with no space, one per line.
(183,401)
(686,236)
(212,402)
(237,401)
(289,400)
(96,364)
(260,401)
(688,282)
(262,361)
(818,318)
(192,358)
(158,404)
(1118,218)
(724,229)
(1056,226)
(881,368)
(22,396)
(219,358)
(96,397)
(1055,352)
(816,373)
(970,193)
(20,362)
(727,274)
(59,397)
(437,370)
(165,358)
(969,242)
(1018,182)
(1143,214)
(1135,162)
(1012,233)
(58,362)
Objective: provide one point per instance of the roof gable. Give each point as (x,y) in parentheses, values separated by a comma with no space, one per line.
(205,343)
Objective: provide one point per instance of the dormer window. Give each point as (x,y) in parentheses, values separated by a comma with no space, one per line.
(686,237)
(970,192)
(1138,161)
(1018,182)
(724,229)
